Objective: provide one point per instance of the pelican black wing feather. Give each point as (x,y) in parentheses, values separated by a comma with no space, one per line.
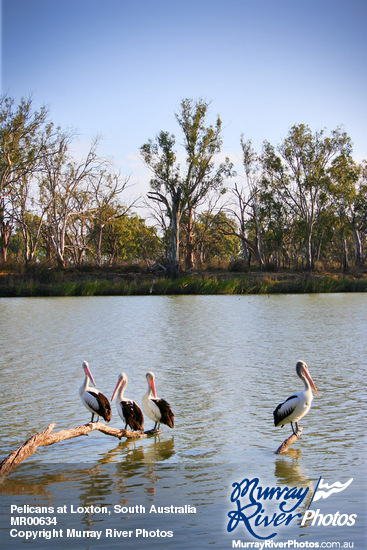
(167,416)
(104,407)
(133,415)
(283,410)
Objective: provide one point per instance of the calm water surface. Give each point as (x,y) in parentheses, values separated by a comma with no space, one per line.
(223,363)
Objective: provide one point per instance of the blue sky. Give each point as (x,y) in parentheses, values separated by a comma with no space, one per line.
(120,68)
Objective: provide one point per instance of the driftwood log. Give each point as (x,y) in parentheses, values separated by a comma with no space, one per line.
(45,438)
(287,443)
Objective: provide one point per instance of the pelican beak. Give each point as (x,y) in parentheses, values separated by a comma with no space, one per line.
(152,385)
(116,390)
(89,374)
(308,376)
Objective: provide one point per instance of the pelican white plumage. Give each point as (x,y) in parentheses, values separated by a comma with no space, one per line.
(129,412)
(297,405)
(155,408)
(93,400)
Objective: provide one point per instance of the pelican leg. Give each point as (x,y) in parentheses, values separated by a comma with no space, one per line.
(298,431)
(155,426)
(92,417)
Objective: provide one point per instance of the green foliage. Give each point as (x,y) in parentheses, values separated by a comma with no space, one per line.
(128,238)
(211,242)
(180,190)
(298,174)
(300,204)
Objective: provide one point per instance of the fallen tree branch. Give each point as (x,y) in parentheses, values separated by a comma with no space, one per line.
(287,443)
(46,438)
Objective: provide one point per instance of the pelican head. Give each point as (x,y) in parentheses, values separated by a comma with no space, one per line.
(87,372)
(303,373)
(121,384)
(150,379)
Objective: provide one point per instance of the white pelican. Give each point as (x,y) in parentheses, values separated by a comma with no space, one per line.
(129,412)
(93,399)
(297,405)
(157,409)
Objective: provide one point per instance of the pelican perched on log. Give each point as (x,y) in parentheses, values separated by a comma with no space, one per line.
(129,412)
(155,408)
(298,404)
(93,399)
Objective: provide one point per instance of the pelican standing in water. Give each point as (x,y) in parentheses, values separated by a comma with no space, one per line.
(93,400)
(129,412)
(155,408)
(298,404)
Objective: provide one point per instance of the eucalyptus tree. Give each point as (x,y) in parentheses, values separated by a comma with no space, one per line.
(182,189)
(77,235)
(245,206)
(349,187)
(253,178)
(22,145)
(298,171)
(202,142)
(160,157)
(277,229)
(204,227)
(237,209)
(29,214)
(106,188)
(6,225)
(213,243)
(128,238)
(64,187)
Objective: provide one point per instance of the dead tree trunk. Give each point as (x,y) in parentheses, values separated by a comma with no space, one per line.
(287,443)
(173,267)
(46,438)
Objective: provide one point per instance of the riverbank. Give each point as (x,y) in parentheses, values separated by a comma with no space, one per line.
(115,283)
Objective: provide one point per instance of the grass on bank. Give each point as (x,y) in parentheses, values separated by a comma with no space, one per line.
(200,284)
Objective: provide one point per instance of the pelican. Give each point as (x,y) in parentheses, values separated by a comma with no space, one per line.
(298,404)
(128,410)
(157,409)
(93,399)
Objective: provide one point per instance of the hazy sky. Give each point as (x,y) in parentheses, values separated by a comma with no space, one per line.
(120,68)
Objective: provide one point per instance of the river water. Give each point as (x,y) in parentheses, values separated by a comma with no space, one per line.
(223,363)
